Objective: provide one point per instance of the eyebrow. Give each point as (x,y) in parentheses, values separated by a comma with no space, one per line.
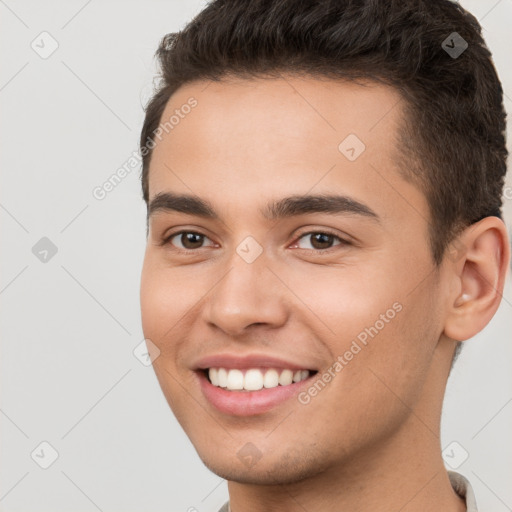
(283,208)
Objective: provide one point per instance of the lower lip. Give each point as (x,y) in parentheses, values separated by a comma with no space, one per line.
(248,403)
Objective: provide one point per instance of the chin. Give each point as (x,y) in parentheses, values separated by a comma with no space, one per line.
(288,467)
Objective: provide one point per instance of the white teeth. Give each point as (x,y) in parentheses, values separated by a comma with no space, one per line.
(254,379)
(271,379)
(235,379)
(213,374)
(286,377)
(222,377)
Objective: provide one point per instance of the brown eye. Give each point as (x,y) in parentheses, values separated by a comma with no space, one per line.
(186,240)
(191,240)
(319,240)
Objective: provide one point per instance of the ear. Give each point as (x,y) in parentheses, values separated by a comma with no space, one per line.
(477,262)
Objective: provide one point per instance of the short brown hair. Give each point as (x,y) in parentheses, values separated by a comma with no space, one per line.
(452,141)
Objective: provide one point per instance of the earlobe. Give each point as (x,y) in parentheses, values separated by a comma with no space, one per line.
(480,277)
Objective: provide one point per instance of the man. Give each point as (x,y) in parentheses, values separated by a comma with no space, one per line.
(323,181)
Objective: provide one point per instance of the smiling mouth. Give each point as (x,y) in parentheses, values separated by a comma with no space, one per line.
(254,379)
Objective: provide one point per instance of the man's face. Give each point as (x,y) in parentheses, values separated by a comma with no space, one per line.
(311,288)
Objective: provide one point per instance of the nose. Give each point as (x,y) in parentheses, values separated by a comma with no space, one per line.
(248,294)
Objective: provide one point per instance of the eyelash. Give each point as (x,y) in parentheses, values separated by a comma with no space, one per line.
(343,242)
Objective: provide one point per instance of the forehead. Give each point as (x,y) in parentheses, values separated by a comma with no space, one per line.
(286,132)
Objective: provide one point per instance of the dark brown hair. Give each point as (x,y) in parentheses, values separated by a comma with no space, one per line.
(452,141)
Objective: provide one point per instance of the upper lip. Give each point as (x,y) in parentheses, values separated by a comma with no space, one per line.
(247,361)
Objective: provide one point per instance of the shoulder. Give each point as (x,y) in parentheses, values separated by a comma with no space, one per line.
(463,488)
(225,507)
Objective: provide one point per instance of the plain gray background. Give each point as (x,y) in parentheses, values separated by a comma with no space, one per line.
(70,324)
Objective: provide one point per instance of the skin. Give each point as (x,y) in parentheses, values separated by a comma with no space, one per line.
(370,439)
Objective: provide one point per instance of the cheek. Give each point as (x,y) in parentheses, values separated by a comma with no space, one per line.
(166,296)
(377,322)
(396,353)
(343,301)
(153,299)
